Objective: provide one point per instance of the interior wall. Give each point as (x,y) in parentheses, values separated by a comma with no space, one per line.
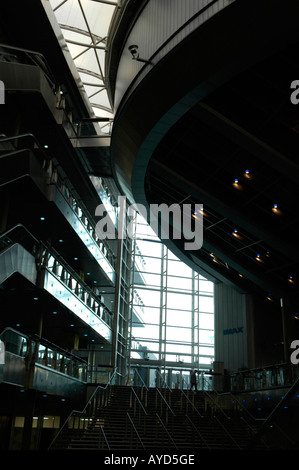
(233,327)
(248,330)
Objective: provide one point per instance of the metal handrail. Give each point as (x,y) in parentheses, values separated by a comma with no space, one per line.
(165,428)
(192,404)
(235,399)
(167,404)
(99,387)
(139,401)
(226,431)
(164,381)
(111,257)
(144,384)
(105,437)
(134,427)
(200,435)
(46,69)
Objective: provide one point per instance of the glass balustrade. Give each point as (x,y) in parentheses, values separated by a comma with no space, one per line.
(74,284)
(44,353)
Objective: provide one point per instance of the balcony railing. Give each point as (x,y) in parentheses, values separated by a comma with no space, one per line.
(50,260)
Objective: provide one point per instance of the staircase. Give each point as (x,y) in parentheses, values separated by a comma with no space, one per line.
(127,418)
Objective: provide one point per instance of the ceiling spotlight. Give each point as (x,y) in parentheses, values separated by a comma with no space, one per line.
(236,234)
(236,184)
(276,210)
(291,280)
(247,174)
(258,258)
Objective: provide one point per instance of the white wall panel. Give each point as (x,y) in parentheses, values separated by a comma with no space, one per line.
(232,327)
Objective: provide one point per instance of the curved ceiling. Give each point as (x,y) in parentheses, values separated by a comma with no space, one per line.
(234,149)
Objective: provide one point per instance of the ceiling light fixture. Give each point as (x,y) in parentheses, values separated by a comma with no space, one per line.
(291,280)
(236,234)
(236,184)
(276,210)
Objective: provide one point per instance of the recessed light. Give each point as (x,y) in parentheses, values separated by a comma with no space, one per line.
(247,174)
(236,234)
(291,280)
(75,258)
(46,146)
(42,218)
(276,210)
(236,184)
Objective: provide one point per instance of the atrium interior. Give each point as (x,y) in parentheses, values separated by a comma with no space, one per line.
(148,225)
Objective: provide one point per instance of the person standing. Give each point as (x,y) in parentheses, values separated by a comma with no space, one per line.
(193,380)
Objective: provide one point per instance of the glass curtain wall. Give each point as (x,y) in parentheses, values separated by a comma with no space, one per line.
(171,314)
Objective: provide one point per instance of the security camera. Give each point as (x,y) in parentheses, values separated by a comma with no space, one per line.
(134,51)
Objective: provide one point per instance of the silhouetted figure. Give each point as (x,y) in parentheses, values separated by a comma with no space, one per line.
(193,380)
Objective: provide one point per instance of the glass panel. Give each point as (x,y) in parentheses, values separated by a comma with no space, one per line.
(206,304)
(179,301)
(179,318)
(177,322)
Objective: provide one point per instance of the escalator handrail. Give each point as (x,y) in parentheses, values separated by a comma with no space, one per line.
(5,234)
(46,343)
(46,68)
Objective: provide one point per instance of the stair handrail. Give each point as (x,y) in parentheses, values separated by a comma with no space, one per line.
(98,388)
(269,420)
(226,431)
(200,435)
(192,404)
(167,404)
(139,401)
(144,384)
(105,437)
(226,416)
(251,417)
(134,427)
(165,428)
(163,380)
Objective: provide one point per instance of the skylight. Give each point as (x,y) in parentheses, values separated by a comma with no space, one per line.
(85,25)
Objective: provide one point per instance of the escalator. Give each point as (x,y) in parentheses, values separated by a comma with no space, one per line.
(34,363)
(45,270)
